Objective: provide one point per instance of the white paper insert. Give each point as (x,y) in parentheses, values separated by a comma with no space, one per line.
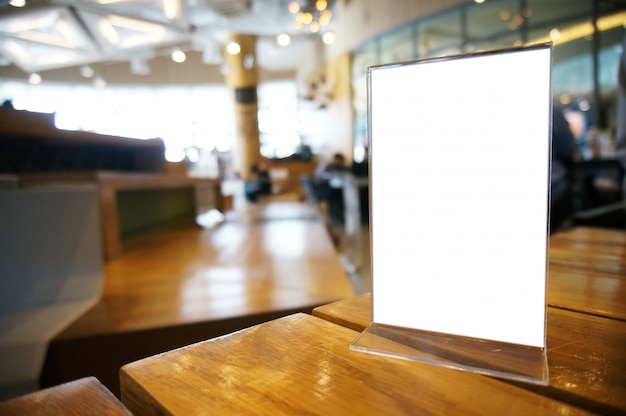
(460,176)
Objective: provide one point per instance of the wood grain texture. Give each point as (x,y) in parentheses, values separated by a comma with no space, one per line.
(191,274)
(587,272)
(191,284)
(586,356)
(86,396)
(302,365)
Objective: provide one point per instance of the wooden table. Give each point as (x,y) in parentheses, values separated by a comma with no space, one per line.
(191,284)
(586,355)
(86,396)
(301,364)
(587,272)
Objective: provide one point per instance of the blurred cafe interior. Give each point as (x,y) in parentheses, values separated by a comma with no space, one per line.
(167,175)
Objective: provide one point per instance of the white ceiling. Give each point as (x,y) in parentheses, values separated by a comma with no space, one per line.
(54,34)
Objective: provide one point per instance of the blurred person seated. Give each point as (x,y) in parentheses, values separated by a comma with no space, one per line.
(328,186)
(561,193)
(259,183)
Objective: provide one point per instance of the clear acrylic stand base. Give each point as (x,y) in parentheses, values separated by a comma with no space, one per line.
(496,359)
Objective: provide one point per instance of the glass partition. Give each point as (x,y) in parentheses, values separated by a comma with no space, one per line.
(586,53)
(440,35)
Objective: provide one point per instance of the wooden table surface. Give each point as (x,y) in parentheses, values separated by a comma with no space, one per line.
(191,284)
(586,356)
(237,269)
(587,271)
(86,396)
(301,364)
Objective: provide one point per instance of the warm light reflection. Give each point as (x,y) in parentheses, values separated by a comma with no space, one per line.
(611,22)
(321,5)
(582,30)
(314,27)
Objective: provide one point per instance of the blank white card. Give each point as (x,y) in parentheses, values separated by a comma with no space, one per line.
(460,161)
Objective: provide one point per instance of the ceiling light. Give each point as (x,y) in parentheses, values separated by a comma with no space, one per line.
(294,7)
(179,56)
(171,9)
(17,3)
(328,38)
(108,31)
(283,39)
(306,17)
(86,71)
(325,17)
(115,31)
(99,83)
(50,26)
(233,48)
(314,14)
(479,1)
(34,79)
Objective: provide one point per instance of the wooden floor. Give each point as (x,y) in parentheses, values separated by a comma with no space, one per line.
(190,284)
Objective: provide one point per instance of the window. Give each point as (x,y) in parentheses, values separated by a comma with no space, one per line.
(584,78)
(278,119)
(189,119)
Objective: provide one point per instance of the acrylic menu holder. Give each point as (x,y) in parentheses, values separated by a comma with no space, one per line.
(459,176)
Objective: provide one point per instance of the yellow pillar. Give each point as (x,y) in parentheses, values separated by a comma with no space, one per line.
(242,79)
